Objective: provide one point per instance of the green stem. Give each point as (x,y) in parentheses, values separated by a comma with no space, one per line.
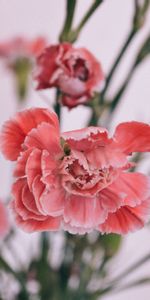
(71,35)
(135,283)
(141,56)
(70,10)
(89,13)
(117,61)
(4,265)
(113,285)
(119,94)
(131,269)
(57,106)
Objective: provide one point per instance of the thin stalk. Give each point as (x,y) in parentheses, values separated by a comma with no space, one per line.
(89,13)
(117,61)
(132,284)
(141,56)
(70,10)
(119,94)
(57,106)
(131,269)
(113,286)
(4,265)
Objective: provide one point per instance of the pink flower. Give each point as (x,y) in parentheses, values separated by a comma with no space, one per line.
(4,222)
(76,72)
(78,181)
(21,47)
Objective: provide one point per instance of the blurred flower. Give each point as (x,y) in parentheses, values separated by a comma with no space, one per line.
(21,47)
(78,181)
(19,55)
(4,222)
(76,72)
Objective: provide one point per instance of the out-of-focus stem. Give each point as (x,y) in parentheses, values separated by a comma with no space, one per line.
(113,286)
(116,62)
(71,35)
(138,22)
(70,10)
(122,89)
(131,269)
(4,265)
(142,54)
(132,284)
(57,106)
(89,13)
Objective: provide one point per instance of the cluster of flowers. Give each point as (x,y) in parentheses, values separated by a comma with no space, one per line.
(78,180)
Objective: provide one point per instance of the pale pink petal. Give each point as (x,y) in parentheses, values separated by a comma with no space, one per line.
(75,230)
(49,168)
(132,187)
(127,219)
(133,137)
(31,225)
(29,202)
(44,137)
(87,138)
(14,131)
(33,166)
(111,199)
(104,157)
(21,163)
(84,212)
(20,193)
(38,187)
(52,201)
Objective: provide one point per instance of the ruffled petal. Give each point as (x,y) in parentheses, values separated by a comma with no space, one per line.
(133,137)
(133,188)
(84,212)
(52,201)
(19,170)
(86,139)
(104,157)
(38,187)
(31,225)
(75,230)
(14,131)
(111,199)
(127,219)
(24,202)
(44,137)
(33,166)
(48,167)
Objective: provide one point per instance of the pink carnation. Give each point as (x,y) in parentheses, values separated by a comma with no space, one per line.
(21,47)
(4,222)
(76,72)
(78,181)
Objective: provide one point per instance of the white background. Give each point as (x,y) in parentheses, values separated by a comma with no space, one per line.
(103,35)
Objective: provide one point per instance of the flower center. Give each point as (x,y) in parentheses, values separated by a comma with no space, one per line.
(86,180)
(80,70)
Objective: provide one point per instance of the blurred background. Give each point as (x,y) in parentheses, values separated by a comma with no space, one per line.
(103,35)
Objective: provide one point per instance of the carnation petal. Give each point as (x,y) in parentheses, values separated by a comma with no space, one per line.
(14,131)
(87,138)
(33,166)
(127,219)
(86,212)
(31,225)
(132,187)
(52,201)
(133,137)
